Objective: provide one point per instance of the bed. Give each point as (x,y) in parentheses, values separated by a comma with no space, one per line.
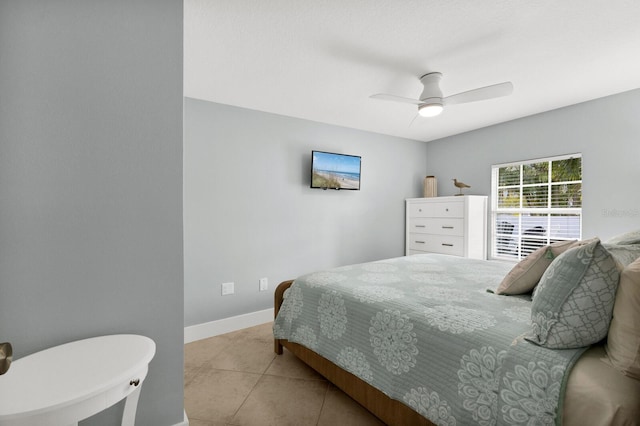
(425,339)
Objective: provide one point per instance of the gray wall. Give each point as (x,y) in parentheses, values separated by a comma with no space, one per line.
(249,211)
(607,133)
(91,182)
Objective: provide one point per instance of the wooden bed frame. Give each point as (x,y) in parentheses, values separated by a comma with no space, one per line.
(388,410)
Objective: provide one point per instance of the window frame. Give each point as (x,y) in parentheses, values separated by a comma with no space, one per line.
(495,210)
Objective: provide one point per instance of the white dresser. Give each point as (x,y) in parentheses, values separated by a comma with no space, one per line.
(450,225)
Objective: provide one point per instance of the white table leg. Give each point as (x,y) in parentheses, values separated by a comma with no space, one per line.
(130,407)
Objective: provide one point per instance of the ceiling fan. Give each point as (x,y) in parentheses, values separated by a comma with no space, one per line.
(431,102)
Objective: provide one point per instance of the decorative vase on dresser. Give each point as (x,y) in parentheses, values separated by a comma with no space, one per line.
(430,187)
(448,225)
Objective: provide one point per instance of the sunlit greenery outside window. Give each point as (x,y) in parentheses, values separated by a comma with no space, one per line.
(535,203)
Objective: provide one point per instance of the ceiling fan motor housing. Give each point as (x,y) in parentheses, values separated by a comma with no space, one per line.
(431,94)
(431,97)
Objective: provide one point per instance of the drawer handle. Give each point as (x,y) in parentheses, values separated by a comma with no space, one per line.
(421,226)
(420,242)
(447,209)
(135,382)
(447,245)
(447,227)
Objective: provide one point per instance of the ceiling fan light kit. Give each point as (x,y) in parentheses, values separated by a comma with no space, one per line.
(431,102)
(430,110)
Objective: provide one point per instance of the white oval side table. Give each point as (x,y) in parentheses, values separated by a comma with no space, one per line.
(68,383)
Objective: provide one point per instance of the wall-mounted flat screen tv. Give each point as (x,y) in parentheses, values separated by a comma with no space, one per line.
(335,171)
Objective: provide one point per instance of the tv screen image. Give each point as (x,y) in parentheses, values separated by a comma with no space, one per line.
(335,171)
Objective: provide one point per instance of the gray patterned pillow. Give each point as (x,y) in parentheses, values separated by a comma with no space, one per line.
(626,254)
(632,237)
(573,303)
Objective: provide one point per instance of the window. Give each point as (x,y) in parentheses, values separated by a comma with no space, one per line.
(535,203)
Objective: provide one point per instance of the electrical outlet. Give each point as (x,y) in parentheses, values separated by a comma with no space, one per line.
(227,288)
(264,284)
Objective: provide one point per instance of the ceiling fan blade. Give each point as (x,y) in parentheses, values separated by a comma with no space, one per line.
(394,98)
(481,94)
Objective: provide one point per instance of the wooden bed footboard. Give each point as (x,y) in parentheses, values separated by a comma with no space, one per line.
(388,410)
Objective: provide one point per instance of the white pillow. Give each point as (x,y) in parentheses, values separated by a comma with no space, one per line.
(623,342)
(526,274)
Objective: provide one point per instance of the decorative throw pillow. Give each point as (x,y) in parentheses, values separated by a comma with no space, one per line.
(574,300)
(526,274)
(632,237)
(625,254)
(623,343)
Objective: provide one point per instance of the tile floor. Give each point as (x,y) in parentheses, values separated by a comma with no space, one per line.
(236,379)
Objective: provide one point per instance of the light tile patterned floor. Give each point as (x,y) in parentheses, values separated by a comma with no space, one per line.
(236,379)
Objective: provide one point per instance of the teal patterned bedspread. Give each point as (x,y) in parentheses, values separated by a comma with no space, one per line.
(424,330)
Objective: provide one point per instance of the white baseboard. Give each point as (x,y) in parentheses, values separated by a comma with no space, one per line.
(226,325)
(184,422)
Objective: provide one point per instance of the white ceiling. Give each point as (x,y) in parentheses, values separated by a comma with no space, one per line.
(321,59)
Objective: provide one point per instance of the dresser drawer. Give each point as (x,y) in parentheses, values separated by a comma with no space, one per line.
(444,209)
(444,244)
(440,226)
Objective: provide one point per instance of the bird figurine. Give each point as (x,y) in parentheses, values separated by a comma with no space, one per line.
(460,185)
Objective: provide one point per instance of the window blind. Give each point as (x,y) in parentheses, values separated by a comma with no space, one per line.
(535,203)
